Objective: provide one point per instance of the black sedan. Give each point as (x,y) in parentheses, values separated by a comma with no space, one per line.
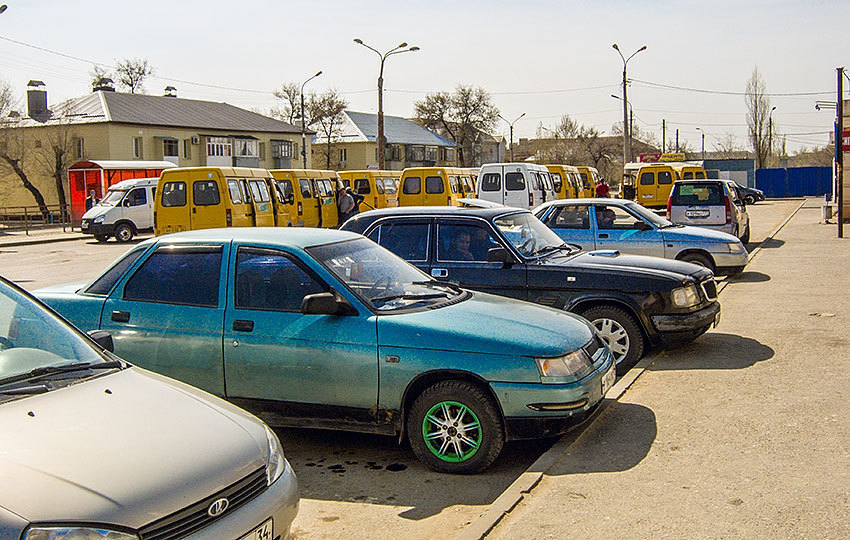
(750,195)
(635,302)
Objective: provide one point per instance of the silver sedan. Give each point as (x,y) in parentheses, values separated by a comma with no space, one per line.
(628,227)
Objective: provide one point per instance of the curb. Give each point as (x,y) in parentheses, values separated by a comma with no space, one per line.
(14,243)
(528,480)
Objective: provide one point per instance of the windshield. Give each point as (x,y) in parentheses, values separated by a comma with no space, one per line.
(113,197)
(380,278)
(528,234)
(648,215)
(33,338)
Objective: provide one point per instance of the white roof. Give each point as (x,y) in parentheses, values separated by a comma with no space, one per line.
(134,164)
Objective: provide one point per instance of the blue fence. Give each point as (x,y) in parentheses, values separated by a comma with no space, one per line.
(794,182)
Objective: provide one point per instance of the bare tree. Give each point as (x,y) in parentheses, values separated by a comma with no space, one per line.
(56,154)
(461,116)
(726,146)
(132,73)
(15,149)
(758,114)
(327,113)
(290,108)
(97,73)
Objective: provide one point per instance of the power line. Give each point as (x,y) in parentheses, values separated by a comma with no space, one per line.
(729,92)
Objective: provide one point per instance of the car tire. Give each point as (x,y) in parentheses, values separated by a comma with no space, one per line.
(620,331)
(123,232)
(101,238)
(438,444)
(700,259)
(746,238)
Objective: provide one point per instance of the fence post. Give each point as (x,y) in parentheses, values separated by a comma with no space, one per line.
(26,222)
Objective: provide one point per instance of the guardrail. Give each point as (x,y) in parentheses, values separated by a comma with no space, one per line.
(27,218)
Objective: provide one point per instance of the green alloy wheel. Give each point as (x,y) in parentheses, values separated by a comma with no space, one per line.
(451,431)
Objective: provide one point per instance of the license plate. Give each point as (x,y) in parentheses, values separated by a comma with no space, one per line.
(263,532)
(608,380)
(697,213)
(717,319)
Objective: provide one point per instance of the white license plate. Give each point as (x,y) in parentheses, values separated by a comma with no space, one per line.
(697,213)
(263,532)
(608,380)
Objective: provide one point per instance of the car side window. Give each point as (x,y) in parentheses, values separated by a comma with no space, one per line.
(178,275)
(174,194)
(647,179)
(491,182)
(361,186)
(614,217)
(306,192)
(137,197)
(205,193)
(664,177)
(407,240)
(270,280)
(412,185)
(514,181)
(235,194)
(569,217)
(434,184)
(464,242)
(108,279)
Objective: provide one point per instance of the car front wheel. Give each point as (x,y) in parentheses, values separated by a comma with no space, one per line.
(454,427)
(620,332)
(123,233)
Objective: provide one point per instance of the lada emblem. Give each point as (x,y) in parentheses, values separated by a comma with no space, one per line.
(218,507)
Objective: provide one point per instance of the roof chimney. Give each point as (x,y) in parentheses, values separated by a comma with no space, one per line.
(170,91)
(104,84)
(37,100)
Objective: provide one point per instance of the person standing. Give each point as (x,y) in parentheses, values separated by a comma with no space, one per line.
(91,200)
(602,189)
(345,205)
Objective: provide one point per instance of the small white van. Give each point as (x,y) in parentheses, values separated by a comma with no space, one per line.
(521,185)
(126,210)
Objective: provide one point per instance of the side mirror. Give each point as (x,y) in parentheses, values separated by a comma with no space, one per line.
(103,338)
(327,303)
(500,254)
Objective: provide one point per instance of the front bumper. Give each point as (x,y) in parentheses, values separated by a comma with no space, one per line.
(687,322)
(97,229)
(730,260)
(534,411)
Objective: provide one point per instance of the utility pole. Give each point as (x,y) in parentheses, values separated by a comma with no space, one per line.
(627,149)
(511,124)
(770,134)
(663,135)
(839,149)
(677,140)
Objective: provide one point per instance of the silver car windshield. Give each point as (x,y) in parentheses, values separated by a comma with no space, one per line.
(113,197)
(648,215)
(379,278)
(528,234)
(32,338)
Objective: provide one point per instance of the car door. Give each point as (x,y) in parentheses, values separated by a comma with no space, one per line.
(490,186)
(572,224)
(137,208)
(517,188)
(459,255)
(207,209)
(408,238)
(167,315)
(273,352)
(617,228)
(647,188)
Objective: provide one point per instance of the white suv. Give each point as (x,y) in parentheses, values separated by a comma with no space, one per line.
(711,203)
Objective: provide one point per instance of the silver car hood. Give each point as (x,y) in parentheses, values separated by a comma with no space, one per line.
(126,448)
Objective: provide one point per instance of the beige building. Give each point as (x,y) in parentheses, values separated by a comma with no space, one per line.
(136,128)
(354,147)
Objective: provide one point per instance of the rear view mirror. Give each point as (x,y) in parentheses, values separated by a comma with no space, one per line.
(500,255)
(103,338)
(327,303)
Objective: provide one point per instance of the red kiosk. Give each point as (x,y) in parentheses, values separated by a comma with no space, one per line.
(98,175)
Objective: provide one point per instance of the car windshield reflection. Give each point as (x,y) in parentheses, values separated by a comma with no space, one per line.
(529,235)
(648,215)
(380,278)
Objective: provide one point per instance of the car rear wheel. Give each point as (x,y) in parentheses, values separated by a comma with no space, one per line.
(454,427)
(749,199)
(698,258)
(620,332)
(124,233)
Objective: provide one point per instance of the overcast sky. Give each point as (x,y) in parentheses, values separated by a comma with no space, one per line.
(539,57)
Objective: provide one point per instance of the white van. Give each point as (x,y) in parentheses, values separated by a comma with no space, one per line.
(126,210)
(521,185)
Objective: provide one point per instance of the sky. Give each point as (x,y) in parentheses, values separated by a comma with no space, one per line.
(538,57)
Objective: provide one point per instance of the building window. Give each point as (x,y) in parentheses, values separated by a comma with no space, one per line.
(79,147)
(137,147)
(430,153)
(450,154)
(343,154)
(415,153)
(169,148)
(246,148)
(393,152)
(282,149)
(187,148)
(219,146)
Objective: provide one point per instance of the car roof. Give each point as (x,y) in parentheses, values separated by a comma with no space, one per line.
(486,213)
(299,237)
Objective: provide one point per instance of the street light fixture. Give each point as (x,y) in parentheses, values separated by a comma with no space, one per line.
(511,124)
(400,48)
(631,120)
(303,124)
(627,143)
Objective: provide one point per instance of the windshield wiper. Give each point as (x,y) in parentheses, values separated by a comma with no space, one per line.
(551,248)
(409,297)
(46,371)
(434,282)
(25,390)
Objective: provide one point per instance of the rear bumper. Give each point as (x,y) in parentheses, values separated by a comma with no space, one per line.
(671,328)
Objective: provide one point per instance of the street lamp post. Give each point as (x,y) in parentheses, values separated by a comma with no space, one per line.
(703,142)
(631,121)
(511,124)
(303,124)
(400,48)
(627,143)
(770,133)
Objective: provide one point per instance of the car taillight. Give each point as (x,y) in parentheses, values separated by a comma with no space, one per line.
(669,206)
(228,216)
(530,199)
(300,209)
(728,209)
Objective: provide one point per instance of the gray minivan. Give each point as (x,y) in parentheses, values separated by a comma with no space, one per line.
(711,203)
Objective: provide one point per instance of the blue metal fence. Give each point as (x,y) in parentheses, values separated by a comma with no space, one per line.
(795,181)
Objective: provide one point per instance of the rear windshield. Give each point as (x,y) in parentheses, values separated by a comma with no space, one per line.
(698,193)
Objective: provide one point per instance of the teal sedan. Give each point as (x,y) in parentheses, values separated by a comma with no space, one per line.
(326,329)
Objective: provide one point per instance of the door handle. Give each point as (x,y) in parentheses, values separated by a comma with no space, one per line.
(603,235)
(439,272)
(194,210)
(120,316)
(243,326)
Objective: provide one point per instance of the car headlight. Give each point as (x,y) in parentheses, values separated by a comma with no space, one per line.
(98,219)
(42,532)
(736,247)
(277,463)
(686,296)
(568,365)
